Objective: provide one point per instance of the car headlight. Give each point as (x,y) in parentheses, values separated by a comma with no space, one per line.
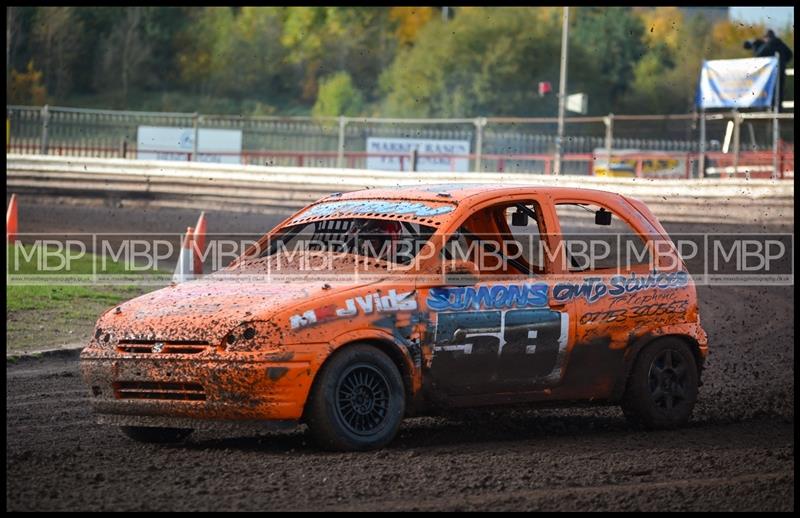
(104,338)
(251,336)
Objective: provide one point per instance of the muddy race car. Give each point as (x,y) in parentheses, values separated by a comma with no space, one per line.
(367,307)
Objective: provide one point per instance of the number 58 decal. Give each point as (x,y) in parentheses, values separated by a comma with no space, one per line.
(504,347)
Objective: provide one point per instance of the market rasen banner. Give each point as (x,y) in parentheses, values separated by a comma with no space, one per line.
(448,150)
(737,83)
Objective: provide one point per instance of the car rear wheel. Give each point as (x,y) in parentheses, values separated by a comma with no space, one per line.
(662,388)
(155,435)
(358,401)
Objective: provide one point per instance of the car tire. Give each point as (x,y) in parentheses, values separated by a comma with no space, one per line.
(663,385)
(156,435)
(357,402)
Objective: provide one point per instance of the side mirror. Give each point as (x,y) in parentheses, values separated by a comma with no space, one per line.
(602,217)
(519,219)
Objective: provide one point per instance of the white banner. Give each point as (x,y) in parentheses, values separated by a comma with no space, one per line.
(394,146)
(737,83)
(170,143)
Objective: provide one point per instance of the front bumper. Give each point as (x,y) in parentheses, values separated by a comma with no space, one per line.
(219,386)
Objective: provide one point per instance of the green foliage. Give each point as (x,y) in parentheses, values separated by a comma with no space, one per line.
(324,40)
(611,38)
(487,61)
(338,96)
(398,61)
(26,87)
(666,76)
(56,38)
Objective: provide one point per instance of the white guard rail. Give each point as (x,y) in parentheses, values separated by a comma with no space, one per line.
(284,189)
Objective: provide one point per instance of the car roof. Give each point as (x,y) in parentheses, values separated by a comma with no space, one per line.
(444,201)
(461,191)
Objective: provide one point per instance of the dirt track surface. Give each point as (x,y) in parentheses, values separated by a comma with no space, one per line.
(736,454)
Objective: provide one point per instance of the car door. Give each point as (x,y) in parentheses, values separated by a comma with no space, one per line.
(497,332)
(603,264)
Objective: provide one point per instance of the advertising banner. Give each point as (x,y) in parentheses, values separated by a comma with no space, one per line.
(396,146)
(737,83)
(657,164)
(170,143)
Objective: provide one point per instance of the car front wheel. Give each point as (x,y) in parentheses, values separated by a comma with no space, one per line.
(662,388)
(358,401)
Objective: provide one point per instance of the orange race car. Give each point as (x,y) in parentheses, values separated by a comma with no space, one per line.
(369,306)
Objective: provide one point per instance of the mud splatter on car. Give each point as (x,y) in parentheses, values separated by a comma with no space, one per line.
(373,305)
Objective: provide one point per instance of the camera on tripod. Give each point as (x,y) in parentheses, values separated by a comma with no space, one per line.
(753,44)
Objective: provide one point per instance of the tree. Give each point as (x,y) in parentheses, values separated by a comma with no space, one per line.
(665,37)
(486,61)
(338,96)
(666,77)
(198,46)
(409,21)
(325,40)
(88,72)
(161,27)
(400,61)
(611,38)
(238,55)
(728,39)
(26,88)
(664,27)
(19,51)
(11,30)
(249,60)
(57,32)
(127,53)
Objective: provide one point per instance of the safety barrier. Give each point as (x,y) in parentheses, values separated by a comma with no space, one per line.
(237,187)
(755,164)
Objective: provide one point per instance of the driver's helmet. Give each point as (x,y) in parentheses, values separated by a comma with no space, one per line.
(377,232)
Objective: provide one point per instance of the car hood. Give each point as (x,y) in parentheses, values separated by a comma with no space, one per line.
(206,309)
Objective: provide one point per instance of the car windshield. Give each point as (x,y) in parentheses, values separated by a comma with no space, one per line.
(389,240)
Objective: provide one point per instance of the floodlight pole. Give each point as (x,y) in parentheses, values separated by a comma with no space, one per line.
(562,89)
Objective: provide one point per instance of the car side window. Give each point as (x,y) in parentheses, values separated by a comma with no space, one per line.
(590,244)
(524,221)
(501,239)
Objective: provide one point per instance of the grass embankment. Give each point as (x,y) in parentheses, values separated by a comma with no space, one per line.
(43,312)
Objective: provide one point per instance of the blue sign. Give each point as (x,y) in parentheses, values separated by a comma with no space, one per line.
(737,83)
(488,297)
(593,288)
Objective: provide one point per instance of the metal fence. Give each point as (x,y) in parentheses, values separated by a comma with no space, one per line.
(496,143)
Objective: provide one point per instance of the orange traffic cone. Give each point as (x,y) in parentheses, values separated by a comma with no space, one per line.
(199,243)
(183,270)
(11,220)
